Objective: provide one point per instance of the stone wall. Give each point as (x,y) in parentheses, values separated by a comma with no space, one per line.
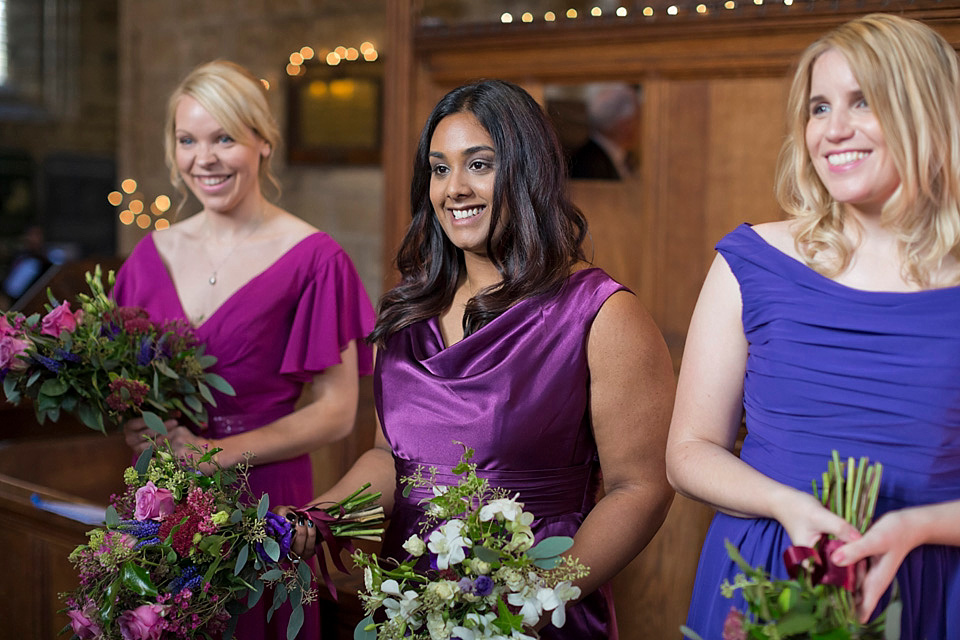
(162,41)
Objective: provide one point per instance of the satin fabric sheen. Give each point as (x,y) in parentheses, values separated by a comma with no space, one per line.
(516,391)
(867,373)
(270,337)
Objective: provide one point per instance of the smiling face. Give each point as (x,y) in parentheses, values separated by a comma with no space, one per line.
(463,170)
(844,138)
(222,172)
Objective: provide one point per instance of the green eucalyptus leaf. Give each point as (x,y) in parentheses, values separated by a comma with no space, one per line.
(143,461)
(263,506)
(271,548)
(295,622)
(793,623)
(54,387)
(205,393)
(485,554)
(255,593)
(273,574)
(550,547)
(219,383)
(111,517)
(365,629)
(154,422)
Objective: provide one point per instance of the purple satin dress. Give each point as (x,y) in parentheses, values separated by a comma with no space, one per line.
(274,334)
(516,391)
(866,373)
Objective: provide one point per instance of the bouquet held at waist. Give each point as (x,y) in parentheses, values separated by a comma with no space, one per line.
(486,577)
(183,553)
(106,363)
(817,602)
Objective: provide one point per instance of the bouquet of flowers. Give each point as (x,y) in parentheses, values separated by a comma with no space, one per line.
(817,602)
(183,553)
(105,363)
(487,578)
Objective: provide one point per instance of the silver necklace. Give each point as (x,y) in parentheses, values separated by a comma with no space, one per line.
(213,276)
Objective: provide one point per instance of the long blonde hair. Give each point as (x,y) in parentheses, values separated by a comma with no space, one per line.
(909,75)
(237,100)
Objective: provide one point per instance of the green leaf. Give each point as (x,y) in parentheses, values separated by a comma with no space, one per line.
(219,383)
(205,392)
(365,629)
(193,402)
(206,361)
(255,593)
(10,389)
(271,548)
(166,370)
(486,555)
(54,387)
(273,574)
(241,559)
(109,598)
(90,417)
(689,633)
(279,597)
(137,580)
(112,518)
(550,547)
(143,461)
(263,506)
(295,622)
(154,422)
(793,623)
(892,618)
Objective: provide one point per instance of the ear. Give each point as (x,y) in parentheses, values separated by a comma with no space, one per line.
(265,149)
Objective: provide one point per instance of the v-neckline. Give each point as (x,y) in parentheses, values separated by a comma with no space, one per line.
(229,299)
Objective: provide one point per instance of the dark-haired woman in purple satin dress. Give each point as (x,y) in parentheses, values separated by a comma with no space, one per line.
(276,301)
(500,336)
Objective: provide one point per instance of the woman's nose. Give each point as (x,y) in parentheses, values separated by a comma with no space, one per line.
(457,184)
(840,125)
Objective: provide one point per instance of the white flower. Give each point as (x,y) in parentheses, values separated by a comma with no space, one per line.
(414,546)
(557,599)
(510,577)
(520,541)
(531,608)
(477,626)
(448,543)
(507,508)
(478,566)
(439,628)
(444,590)
(404,607)
(367,579)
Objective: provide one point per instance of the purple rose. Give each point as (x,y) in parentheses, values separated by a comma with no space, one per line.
(143,623)
(10,348)
(153,503)
(60,319)
(83,624)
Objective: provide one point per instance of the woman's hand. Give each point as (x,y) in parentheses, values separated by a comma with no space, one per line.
(806,520)
(887,542)
(137,434)
(303,545)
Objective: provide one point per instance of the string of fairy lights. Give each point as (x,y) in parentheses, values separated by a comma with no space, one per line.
(647,11)
(134,208)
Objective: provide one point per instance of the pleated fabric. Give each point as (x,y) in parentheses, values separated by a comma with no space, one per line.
(867,373)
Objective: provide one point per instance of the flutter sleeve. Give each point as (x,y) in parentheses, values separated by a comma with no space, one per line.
(333,310)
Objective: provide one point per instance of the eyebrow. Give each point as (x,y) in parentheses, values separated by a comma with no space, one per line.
(468,151)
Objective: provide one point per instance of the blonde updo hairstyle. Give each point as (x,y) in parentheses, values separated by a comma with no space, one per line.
(237,100)
(909,76)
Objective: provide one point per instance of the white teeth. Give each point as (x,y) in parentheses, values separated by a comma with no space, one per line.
(837,159)
(212,181)
(460,214)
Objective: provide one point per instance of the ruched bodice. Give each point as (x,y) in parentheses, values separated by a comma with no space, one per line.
(516,392)
(867,373)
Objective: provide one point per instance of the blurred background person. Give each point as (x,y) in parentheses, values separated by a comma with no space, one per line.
(613,118)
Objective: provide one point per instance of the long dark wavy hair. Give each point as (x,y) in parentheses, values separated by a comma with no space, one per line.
(541,230)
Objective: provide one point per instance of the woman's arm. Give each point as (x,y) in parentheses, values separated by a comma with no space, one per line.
(631,393)
(374,466)
(329,417)
(888,541)
(706,418)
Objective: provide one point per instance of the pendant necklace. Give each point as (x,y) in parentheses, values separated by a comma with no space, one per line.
(213,276)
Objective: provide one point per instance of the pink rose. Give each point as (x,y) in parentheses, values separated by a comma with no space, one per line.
(60,319)
(153,503)
(5,328)
(83,623)
(143,623)
(10,348)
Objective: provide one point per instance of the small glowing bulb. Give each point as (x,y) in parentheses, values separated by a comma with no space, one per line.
(506,17)
(129,185)
(115,198)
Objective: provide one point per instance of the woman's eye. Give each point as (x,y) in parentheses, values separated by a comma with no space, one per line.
(224,139)
(438,169)
(480,165)
(183,140)
(818,109)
